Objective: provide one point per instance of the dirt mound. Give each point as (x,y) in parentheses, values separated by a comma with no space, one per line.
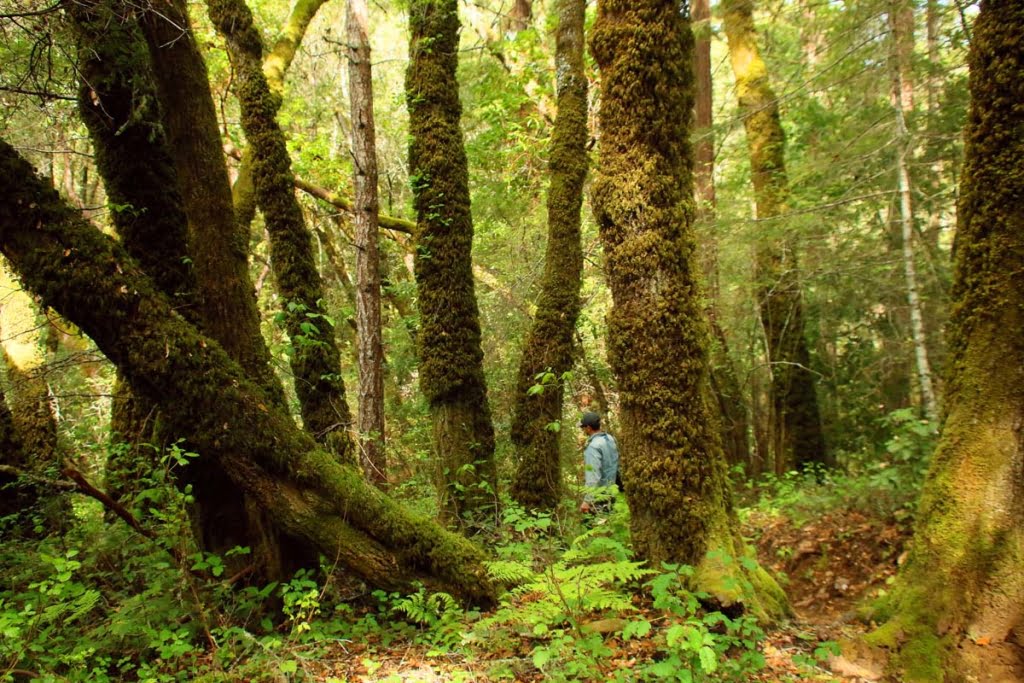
(830,563)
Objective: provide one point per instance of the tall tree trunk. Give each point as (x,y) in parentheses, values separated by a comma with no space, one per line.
(89,279)
(724,383)
(224,517)
(220,253)
(674,470)
(368,324)
(537,482)
(275,65)
(903,103)
(962,581)
(118,104)
(451,358)
(315,360)
(797,435)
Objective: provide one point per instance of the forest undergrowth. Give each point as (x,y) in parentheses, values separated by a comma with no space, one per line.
(103,603)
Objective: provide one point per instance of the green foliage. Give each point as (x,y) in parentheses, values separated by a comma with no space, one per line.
(883,480)
(596,581)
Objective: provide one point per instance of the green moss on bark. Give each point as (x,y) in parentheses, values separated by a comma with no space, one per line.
(673,467)
(549,346)
(451,358)
(90,280)
(219,251)
(963,577)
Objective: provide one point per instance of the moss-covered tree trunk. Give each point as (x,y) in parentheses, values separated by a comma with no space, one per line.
(451,358)
(724,383)
(243,191)
(314,358)
(372,455)
(223,516)
(796,433)
(962,583)
(90,280)
(117,102)
(549,346)
(674,470)
(220,253)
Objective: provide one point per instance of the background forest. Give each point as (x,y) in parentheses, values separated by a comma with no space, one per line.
(828,150)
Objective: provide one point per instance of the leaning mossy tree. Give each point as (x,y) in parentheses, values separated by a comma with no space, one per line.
(322,503)
(797,438)
(963,585)
(117,102)
(548,353)
(451,358)
(146,146)
(673,466)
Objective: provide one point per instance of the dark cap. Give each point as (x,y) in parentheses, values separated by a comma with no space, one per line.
(592,420)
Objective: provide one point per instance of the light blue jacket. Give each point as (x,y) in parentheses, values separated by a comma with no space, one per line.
(601,461)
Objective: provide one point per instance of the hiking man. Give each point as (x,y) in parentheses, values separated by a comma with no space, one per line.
(601,461)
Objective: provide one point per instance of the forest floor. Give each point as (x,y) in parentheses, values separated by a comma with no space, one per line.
(830,565)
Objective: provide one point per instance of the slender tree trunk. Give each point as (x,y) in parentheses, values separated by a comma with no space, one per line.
(903,103)
(537,482)
(797,435)
(674,470)
(315,360)
(368,324)
(90,280)
(724,383)
(962,584)
(451,358)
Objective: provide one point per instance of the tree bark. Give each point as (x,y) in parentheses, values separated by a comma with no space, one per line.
(118,104)
(797,436)
(673,467)
(90,280)
(372,455)
(314,357)
(962,581)
(537,482)
(34,435)
(451,358)
(220,252)
(223,516)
